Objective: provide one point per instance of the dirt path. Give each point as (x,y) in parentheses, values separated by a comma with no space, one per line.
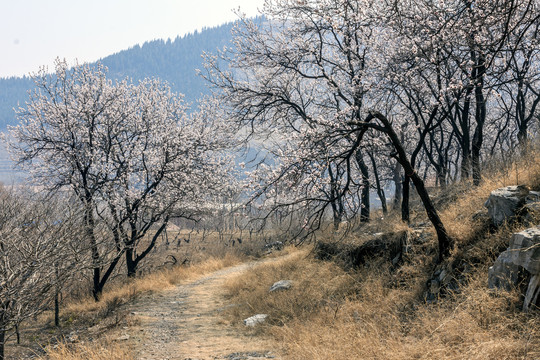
(184,323)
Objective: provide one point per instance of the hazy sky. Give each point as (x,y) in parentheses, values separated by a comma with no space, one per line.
(35,32)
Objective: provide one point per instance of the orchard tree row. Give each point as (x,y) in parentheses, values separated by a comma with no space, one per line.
(125,158)
(129,153)
(347,93)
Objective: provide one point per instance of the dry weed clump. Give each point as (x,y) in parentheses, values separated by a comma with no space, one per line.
(89,351)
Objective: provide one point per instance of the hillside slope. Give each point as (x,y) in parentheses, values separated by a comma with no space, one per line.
(175,61)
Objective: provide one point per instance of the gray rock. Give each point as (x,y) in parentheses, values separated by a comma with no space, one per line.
(523,253)
(250,355)
(533,291)
(534,196)
(504,274)
(440,283)
(281,285)
(276,245)
(525,249)
(504,203)
(255,319)
(73,337)
(531,212)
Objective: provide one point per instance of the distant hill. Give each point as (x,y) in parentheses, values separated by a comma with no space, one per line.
(171,60)
(13,91)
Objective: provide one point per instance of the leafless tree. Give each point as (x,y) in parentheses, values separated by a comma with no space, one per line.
(129,152)
(38,254)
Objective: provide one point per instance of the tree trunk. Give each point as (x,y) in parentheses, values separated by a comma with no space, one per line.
(445,242)
(130,263)
(380,190)
(397,185)
(405,208)
(57,309)
(2,341)
(365,207)
(336,201)
(89,229)
(98,288)
(442,172)
(466,138)
(478,135)
(480,114)
(57,298)
(133,260)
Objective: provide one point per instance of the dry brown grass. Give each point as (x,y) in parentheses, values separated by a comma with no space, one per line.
(162,280)
(458,217)
(311,290)
(332,314)
(93,351)
(377,312)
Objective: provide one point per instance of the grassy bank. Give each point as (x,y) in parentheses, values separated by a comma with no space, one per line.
(378,310)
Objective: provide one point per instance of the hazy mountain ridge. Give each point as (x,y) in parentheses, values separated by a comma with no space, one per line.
(172,60)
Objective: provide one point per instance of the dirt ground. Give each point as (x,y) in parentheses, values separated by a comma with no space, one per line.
(184,323)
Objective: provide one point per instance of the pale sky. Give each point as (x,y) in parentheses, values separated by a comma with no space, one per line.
(34,32)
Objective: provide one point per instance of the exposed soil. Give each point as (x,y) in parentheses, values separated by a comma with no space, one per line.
(184,323)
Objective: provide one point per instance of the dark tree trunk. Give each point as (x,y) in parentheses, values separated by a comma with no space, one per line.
(445,242)
(405,208)
(133,260)
(98,288)
(57,298)
(398,183)
(480,116)
(466,137)
(131,263)
(336,201)
(56,310)
(2,341)
(380,190)
(90,224)
(442,171)
(337,215)
(365,209)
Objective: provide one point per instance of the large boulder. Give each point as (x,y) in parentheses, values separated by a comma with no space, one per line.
(525,249)
(522,254)
(504,274)
(503,204)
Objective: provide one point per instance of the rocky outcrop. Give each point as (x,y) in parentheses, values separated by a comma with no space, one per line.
(531,213)
(504,274)
(504,204)
(523,254)
(441,283)
(392,246)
